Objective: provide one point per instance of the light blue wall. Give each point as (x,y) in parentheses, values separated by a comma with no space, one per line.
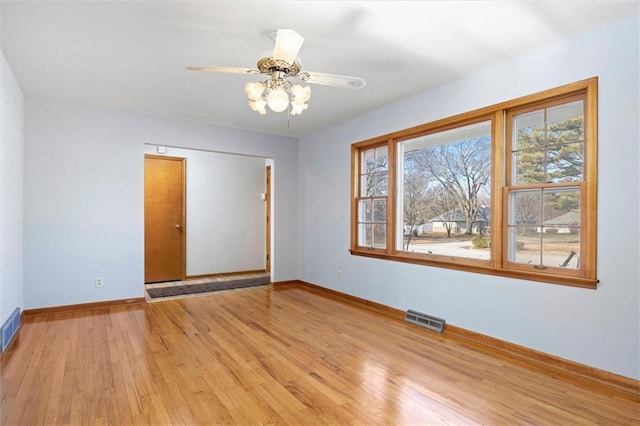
(600,328)
(84,197)
(11,184)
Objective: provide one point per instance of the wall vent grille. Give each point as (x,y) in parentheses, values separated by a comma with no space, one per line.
(10,328)
(424,320)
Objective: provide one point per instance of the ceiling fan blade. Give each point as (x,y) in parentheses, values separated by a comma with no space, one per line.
(288,44)
(334,80)
(232,70)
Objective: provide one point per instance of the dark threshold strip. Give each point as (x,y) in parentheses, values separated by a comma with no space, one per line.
(206,287)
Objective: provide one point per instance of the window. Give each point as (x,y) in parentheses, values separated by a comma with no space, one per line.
(544,185)
(443,197)
(506,190)
(372,198)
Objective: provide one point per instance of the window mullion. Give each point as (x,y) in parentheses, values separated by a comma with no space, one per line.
(391,196)
(355,194)
(498,165)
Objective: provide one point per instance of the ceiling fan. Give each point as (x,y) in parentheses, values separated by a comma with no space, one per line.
(277,92)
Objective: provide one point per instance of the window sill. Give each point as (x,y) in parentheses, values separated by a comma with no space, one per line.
(487,270)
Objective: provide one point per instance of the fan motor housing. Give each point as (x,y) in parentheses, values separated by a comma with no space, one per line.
(269,65)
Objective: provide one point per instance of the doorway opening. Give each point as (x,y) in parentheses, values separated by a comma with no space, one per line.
(227,215)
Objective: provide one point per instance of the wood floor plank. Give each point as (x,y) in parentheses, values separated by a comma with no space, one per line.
(277,356)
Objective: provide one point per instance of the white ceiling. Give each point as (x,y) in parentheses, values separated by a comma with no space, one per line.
(131,55)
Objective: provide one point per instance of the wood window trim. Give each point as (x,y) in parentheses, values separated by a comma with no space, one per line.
(585,278)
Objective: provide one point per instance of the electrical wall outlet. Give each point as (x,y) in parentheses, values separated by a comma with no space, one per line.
(339,274)
(99,282)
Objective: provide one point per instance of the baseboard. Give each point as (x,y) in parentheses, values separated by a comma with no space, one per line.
(373,306)
(83,306)
(582,370)
(280,285)
(573,369)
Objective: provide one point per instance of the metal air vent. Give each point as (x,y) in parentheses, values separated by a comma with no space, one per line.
(10,328)
(424,320)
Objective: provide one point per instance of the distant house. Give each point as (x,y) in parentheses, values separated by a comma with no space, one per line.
(419,229)
(458,221)
(564,224)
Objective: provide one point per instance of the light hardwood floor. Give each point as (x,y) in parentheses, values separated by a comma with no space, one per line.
(277,356)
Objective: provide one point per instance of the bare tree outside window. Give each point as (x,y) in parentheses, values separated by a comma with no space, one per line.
(446,180)
(463,169)
(416,203)
(444,208)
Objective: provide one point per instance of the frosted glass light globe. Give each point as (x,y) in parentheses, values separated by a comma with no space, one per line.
(302,94)
(259,106)
(278,100)
(254,90)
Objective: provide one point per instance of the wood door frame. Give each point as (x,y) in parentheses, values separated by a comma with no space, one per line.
(183,161)
(268,219)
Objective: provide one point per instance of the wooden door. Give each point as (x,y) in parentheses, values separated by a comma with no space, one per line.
(164,218)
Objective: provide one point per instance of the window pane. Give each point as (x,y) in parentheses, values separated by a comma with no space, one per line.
(525,245)
(565,123)
(562,209)
(561,249)
(528,167)
(381,180)
(381,159)
(364,234)
(564,163)
(364,211)
(367,163)
(446,192)
(380,211)
(524,208)
(373,184)
(529,131)
(369,185)
(379,236)
(366,185)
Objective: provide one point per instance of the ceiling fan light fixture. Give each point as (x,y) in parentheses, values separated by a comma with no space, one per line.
(296,109)
(278,100)
(277,94)
(258,106)
(301,94)
(280,63)
(254,90)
